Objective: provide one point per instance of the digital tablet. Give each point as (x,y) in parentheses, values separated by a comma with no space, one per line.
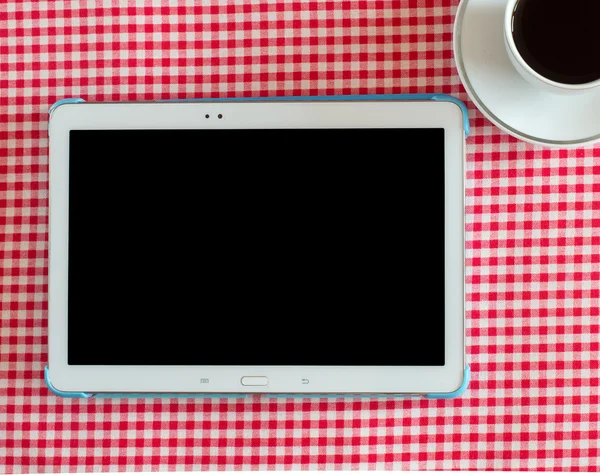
(288,247)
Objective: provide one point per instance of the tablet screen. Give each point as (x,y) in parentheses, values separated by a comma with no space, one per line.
(256,247)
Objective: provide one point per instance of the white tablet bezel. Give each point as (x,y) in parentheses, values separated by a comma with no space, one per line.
(258,114)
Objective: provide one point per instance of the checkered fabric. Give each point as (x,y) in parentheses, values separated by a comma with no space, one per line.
(532,231)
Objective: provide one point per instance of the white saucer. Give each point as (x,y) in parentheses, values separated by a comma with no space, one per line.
(504,97)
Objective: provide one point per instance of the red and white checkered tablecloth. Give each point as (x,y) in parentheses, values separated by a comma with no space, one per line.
(533,247)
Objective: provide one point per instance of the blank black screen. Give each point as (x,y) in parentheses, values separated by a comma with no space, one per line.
(256,247)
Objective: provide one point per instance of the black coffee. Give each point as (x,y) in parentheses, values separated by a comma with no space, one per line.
(559,39)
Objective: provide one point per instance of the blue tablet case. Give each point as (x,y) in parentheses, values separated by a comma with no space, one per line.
(361,97)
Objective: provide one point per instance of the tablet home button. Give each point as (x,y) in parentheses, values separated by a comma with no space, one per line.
(255,381)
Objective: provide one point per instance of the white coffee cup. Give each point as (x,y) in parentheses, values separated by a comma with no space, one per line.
(526,71)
